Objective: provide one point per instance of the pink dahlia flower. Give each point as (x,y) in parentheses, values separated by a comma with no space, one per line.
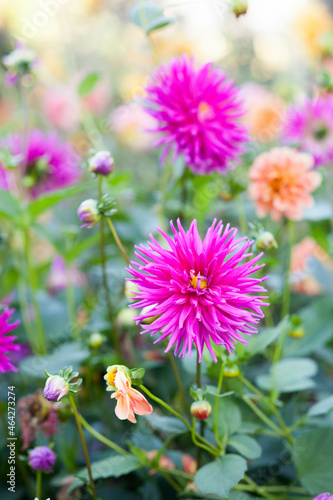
(198,113)
(45,162)
(281,183)
(324,496)
(201,291)
(7,342)
(309,127)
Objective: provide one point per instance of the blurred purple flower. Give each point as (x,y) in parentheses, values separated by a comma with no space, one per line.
(309,127)
(7,342)
(45,162)
(198,113)
(101,163)
(201,291)
(324,496)
(42,458)
(20,61)
(60,276)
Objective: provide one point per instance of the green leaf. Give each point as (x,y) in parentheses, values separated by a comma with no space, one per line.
(245,445)
(45,202)
(265,337)
(166,424)
(322,407)
(313,458)
(149,16)
(87,84)
(113,466)
(68,353)
(9,206)
(229,415)
(220,476)
(291,375)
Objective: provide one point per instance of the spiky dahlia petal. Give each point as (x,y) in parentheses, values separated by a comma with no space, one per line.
(197,113)
(201,291)
(7,342)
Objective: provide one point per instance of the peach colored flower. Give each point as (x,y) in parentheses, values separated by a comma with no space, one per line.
(129,400)
(98,100)
(302,280)
(61,107)
(313,22)
(130,123)
(282,182)
(264,112)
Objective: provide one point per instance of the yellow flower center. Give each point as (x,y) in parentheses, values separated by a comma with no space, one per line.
(111,376)
(198,281)
(205,111)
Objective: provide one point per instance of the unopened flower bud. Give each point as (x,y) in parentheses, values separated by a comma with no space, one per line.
(101,163)
(239,7)
(96,340)
(231,371)
(19,62)
(88,213)
(297,332)
(42,458)
(55,388)
(266,241)
(126,317)
(201,410)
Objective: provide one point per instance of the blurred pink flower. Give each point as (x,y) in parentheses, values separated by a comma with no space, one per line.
(201,291)
(164,462)
(131,124)
(281,183)
(61,107)
(309,127)
(98,100)
(197,112)
(189,463)
(7,342)
(60,276)
(44,161)
(324,496)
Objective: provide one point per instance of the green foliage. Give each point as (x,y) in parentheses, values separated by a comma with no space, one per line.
(87,84)
(220,476)
(245,445)
(149,16)
(313,458)
(290,375)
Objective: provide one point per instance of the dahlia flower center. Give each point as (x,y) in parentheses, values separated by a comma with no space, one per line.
(111,376)
(205,111)
(35,171)
(276,184)
(198,282)
(320,132)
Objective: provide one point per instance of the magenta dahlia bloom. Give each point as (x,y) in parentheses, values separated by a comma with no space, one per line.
(7,342)
(309,127)
(324,496)
(197,113)
(42,458)
(200,291)
(45,163)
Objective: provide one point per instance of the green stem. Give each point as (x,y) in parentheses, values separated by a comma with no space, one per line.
(84,446)
(195,437)
(262,416)
(114,336)
(216,411)
(70,300)
(102,438)
(179,383)
(33,285)
(287,289)
(116,237)
(241,214)
(24,308)
(213,450)
(39,485)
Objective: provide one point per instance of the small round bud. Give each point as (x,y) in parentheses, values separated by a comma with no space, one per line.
(96,340)
(239,7)
(88,213)
(297,333)
(55,388)
(126,317)
(266,241)
(231,371)
(201,410)
(101,163)
(42,458)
